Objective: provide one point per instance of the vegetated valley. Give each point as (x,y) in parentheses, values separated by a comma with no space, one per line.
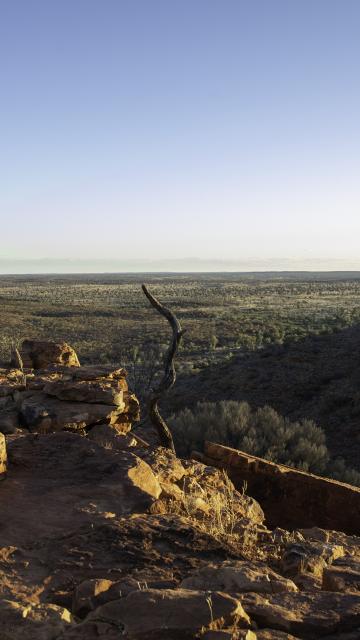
(286,341)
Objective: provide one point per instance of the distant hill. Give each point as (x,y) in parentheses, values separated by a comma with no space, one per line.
(317,378)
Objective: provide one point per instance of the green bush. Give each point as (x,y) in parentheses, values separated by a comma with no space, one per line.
(261,432)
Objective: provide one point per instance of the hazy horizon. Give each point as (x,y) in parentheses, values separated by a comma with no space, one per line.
(48,266)
(162,130)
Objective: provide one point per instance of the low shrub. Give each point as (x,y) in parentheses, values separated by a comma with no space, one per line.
(262,432)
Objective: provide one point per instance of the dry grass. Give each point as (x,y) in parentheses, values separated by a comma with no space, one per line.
(215,513)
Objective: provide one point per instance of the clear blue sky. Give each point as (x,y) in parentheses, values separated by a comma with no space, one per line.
(155,129)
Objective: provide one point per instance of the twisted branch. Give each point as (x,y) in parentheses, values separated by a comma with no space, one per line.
(169,376)
(16,361)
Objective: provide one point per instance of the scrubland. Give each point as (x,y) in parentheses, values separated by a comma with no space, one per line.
(288,341)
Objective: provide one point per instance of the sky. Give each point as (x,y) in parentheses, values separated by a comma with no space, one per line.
(149,133)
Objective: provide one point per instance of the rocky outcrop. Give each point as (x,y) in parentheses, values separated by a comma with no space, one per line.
(39,354)
(161,614)
(290,498)
(238,577)
(104,536)
(87,552)
(63,396)
(305,615)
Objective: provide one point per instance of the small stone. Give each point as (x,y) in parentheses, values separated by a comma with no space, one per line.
(87,595)
(108,437)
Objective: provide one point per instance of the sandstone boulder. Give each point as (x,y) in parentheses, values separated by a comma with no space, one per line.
(315,501)
(97,391)
(87,595)
(154,613)
(342,578)
(40,354)
(233,577)
(349,543)
(311,557)
(94,372)
(107,436)
(44,414)
(309,616)
(91,594)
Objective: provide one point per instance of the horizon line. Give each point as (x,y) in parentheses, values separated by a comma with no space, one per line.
(187,272)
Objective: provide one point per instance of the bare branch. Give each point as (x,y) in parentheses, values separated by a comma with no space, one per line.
(169,376)
(17,359)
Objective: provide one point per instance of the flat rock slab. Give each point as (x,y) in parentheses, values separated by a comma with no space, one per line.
(95,391)
(41,413)
(342,578)
(307,615)
(154,613)
(241,576)
(62,480)
(291,498)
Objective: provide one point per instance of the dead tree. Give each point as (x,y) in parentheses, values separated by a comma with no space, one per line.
(169,376)
(16,361)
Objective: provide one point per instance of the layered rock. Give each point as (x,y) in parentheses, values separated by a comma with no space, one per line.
(39,354)
(305,615)
(63,395)
(84,550)
(104,536)
(164,614)
(289,497)
(238,577)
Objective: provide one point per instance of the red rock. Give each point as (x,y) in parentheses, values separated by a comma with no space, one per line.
(40,354)
(290,498)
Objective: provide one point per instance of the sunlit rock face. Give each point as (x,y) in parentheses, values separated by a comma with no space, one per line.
(289,497)
(39,354)
(52,392)
(105,536)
